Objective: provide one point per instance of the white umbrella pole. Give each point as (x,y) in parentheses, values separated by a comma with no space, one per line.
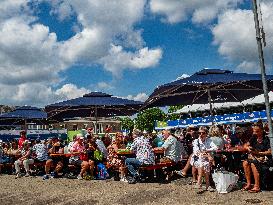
(259,38)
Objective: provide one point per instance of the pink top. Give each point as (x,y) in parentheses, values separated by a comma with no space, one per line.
(77,147)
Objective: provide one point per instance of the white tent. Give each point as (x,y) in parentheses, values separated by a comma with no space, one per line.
(218,106)
(259,99)
(204,107)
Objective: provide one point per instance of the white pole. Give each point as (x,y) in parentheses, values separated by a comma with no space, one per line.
(262,65)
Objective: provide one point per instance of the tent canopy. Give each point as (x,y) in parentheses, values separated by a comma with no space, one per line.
(25,112)
(218,106)
(219,85)
(94,104)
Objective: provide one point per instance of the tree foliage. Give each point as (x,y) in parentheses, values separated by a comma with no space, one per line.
(146,119)
(172,109)
(127,123)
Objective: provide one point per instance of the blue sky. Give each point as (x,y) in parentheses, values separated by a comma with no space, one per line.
(59,50)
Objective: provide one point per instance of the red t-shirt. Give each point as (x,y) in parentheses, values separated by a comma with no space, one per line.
(21,141)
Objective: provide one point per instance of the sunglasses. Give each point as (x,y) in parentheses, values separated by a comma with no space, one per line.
(200,133)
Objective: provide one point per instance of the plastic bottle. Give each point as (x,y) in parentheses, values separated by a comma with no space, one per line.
(65,150)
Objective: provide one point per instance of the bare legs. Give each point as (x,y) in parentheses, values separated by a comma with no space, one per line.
(49,164)
(201,173)
(187,166)
(87,165)
(248,168)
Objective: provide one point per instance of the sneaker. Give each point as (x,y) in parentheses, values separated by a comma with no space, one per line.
(53,174)
(27,174)
(133,180)
(18,175)
(180,173)
(123,179)
(45,177)
(210,189)
(79,177)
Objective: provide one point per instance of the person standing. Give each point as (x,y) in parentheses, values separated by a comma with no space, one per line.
(22,139)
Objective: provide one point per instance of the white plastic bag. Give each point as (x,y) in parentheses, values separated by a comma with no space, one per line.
(224,181)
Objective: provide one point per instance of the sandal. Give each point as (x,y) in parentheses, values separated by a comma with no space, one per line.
(246,188)
(254,190)
(192,182)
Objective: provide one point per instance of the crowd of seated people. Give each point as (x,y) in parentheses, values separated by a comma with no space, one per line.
(200,148)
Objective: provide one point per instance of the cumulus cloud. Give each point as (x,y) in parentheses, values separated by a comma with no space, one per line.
(38,94)
(248,67)
(235,35)
(104,39)
(182,76)
(70,91)
(139,97)
(31,57)
(104,86)
(174,11)
(118,59)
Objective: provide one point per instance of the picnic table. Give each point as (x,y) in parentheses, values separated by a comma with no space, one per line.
(129,152)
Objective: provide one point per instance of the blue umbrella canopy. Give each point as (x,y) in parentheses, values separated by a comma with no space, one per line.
(96,104)
(215,84)
(25,112)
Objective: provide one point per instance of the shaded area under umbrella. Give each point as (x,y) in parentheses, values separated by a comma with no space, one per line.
(208,86)
(22,115)
(94,104)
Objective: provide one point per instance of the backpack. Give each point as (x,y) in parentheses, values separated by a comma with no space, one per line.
(102,171)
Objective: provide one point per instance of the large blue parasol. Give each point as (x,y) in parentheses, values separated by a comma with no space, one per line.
(22,115)
(94,104)
(209,86)
(25,112)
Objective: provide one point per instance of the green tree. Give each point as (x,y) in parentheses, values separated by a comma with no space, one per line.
(146,119)
(127,123)
(170,115)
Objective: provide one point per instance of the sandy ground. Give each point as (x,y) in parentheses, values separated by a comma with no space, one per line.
(34,190)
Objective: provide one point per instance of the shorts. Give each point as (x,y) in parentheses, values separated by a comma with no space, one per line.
(39,161)
(56,159)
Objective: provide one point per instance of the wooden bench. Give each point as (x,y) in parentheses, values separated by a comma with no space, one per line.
(158,166)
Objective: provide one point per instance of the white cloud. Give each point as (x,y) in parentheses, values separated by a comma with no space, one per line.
(38,94)
(31,57)
(248,67)
(182,76)
(235,35)
(139,97)
(70,91)
(201,11)
(104,86)
(28,53)
(118,59)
